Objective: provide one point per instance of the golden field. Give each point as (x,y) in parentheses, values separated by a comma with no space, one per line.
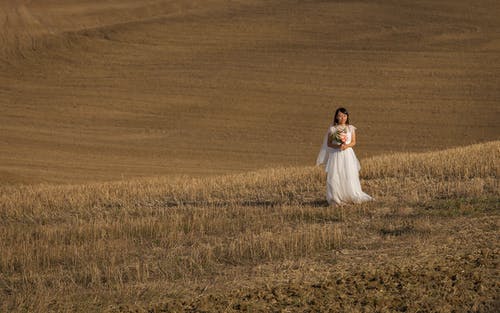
(106,90)
(156,155)
(263,241)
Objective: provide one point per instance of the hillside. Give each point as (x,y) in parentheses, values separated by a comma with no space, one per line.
(109,90)
(263,241)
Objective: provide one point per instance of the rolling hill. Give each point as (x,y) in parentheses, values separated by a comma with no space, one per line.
(110,90)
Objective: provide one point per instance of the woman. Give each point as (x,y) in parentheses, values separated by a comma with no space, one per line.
(342,166)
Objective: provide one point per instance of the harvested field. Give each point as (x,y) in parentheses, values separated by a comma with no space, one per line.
(99,91)
(260,242)
(155,156)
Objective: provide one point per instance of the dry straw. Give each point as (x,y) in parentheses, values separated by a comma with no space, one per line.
(112,236)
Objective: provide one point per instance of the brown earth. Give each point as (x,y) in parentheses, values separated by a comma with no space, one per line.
(94,91)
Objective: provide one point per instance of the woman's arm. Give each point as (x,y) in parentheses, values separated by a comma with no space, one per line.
(351,144)
(332,144)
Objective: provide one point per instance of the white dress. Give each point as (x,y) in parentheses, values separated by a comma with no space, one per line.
(342,167)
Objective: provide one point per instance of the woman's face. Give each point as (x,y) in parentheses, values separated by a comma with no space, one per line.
(341,117)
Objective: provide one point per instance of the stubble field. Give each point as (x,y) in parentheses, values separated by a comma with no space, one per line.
(155,156)
(260,242)
(99,91)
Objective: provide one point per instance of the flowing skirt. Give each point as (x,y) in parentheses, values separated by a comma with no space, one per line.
(342,182)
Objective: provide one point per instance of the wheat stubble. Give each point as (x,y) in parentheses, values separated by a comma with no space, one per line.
(95,91)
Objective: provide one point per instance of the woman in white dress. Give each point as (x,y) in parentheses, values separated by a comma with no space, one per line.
(342,166)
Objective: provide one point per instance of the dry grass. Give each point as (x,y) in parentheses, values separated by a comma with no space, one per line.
(260,241)
(95,91)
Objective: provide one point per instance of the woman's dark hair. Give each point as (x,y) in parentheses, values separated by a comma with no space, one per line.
(342,110)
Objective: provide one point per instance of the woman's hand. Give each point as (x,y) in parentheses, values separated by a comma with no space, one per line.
(336,146)
(330,143)
(344,146)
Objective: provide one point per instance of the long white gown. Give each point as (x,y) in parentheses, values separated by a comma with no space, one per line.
(342,167)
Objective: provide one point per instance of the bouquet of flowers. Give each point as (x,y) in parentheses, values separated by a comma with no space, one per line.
(339,135)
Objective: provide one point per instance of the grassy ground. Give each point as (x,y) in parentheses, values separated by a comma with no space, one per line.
(264,241)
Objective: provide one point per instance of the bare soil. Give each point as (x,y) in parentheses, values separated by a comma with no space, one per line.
(97,91)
